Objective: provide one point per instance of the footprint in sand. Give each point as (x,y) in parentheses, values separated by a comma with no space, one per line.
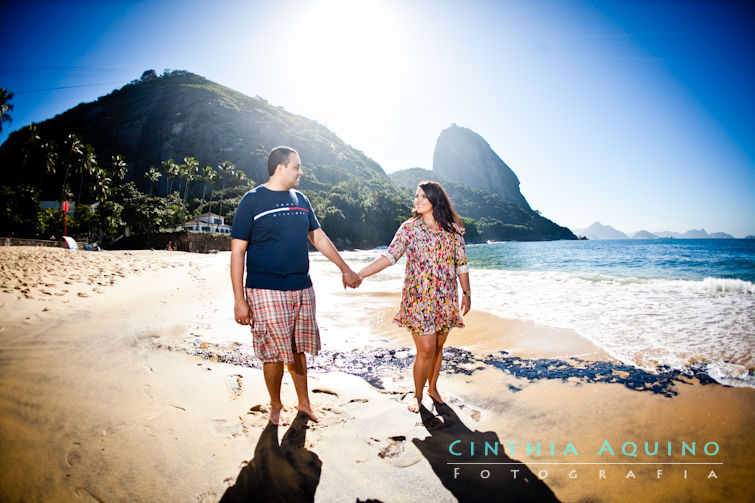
(233,382)
(73,455)
(395,447)
(224,428)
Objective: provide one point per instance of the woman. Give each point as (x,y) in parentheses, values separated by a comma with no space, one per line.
(435,258)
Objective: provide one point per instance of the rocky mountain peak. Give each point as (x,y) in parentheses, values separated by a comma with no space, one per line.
(463,155)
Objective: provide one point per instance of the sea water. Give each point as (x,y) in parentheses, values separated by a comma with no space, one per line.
(651,304)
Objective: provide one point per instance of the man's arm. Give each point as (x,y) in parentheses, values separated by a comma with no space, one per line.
(240,307)
(324,245)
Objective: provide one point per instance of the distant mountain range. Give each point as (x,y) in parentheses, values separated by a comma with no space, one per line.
(600,231)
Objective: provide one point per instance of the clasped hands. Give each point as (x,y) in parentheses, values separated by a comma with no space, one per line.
(351,279)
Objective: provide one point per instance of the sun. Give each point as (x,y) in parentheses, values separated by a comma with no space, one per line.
(347,50)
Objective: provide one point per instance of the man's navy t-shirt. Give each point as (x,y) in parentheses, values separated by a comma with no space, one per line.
(276,224)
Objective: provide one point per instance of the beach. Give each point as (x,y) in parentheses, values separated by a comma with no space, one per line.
(123,377)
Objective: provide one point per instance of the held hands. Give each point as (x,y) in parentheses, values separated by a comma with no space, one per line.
(351,279)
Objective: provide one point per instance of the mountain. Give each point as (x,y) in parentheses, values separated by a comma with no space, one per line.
(720,235)
(496,219)
(180,114)
(483,188)
(600,231)
(463,155)
(644,235)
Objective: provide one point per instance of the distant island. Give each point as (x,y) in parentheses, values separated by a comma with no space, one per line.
(600,231)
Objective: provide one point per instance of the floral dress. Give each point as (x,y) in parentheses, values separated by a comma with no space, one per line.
(429,301)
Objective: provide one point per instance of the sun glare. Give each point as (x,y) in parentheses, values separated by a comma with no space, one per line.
(347,50)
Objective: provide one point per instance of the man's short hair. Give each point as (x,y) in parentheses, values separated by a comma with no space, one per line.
(279,155)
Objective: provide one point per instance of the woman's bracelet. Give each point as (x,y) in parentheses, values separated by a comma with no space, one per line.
(467,293)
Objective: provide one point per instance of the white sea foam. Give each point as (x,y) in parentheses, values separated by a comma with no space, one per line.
(641,321)
(644,322)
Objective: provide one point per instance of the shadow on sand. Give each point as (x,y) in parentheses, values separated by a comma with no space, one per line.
(286,472)
(465,481)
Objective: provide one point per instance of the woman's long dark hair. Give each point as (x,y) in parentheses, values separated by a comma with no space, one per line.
(443,209)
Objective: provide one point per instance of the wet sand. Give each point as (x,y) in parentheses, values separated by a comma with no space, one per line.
(123,377)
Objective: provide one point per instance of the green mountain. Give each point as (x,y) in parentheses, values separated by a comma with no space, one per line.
(180,114)
(482,187)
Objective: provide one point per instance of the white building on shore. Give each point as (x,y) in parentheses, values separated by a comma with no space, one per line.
(207,222)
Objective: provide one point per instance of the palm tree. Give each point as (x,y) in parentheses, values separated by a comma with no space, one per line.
(172,170)
(189,171)
(86,165)
(101,185)
(118,167)
(37,150)
(209,175)
(226,171)
(153,175)
(5,107)
(73,150)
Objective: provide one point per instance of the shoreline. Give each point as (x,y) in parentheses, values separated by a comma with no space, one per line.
(92,407)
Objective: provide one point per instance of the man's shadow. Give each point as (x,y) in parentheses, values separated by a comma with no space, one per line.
(286,472)
(475,482)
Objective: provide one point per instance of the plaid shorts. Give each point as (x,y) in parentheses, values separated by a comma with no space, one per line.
(283,323)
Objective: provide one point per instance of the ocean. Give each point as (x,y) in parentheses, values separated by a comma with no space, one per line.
(653,304)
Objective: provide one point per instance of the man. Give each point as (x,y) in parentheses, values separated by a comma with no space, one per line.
(272,225)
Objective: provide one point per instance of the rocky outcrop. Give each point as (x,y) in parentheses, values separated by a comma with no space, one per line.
(463,155)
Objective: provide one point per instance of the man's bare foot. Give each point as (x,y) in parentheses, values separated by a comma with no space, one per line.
(415,404)
(275,415)
(435,396)
(309,411)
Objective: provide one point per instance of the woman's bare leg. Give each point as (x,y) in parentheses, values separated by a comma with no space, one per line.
(423,366)
(432,388)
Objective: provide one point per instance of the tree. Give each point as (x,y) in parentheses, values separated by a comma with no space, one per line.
(5,107)
(189,171)
(101,185)
(39,153)
(118,167)
(73,151)
(153,175)
(87,164)
(172,170)
(209,175)
(226,170)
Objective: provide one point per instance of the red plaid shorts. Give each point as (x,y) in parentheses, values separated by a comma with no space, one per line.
(283,323)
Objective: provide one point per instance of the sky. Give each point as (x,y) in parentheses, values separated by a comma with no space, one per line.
(637,114)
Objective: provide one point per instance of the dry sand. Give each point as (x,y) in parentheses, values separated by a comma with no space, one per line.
(103,399)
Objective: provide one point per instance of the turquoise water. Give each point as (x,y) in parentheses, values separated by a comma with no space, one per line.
(685,259)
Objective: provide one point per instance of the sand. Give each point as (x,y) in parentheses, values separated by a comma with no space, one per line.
(106,395)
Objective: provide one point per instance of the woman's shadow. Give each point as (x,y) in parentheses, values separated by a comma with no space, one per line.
(475,482)
(286,472)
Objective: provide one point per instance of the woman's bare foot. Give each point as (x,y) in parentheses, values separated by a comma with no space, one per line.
(309,411)
(435,396)
(416,404)
(275,415)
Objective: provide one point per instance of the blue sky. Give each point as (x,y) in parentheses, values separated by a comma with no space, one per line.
(637,114)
